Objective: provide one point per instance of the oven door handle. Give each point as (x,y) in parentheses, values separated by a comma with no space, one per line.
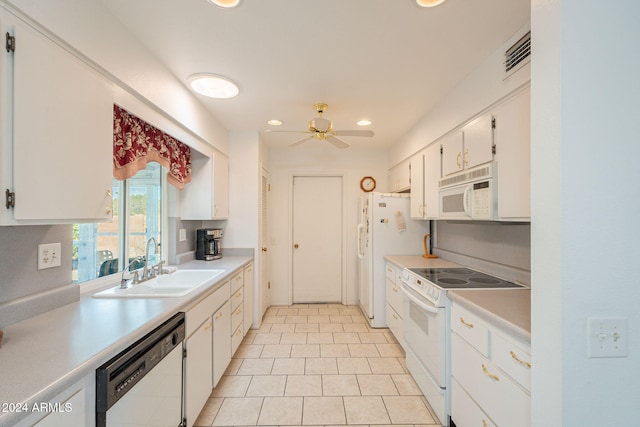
(422,305)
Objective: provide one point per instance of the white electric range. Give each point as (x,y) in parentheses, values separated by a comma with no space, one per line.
(426,310)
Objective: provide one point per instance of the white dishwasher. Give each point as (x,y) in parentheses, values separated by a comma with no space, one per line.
(142,385)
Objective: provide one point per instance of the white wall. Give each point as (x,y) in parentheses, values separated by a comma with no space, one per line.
(353,164)
(586,205)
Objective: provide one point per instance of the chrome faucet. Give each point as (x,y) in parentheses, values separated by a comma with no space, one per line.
(146,274)
(124,283)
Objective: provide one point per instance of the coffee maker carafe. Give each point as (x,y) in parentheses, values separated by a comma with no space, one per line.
(208,244)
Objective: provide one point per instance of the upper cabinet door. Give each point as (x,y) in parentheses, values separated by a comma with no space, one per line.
(62,133)
(452,153)
(478,142)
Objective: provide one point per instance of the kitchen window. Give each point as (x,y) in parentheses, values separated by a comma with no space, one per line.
(107,248)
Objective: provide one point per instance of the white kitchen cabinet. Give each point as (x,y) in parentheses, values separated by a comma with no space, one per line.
(513,155)
(248,299)
(221,341)
(469,147)
(425,174)
(57,133)
(199,370)
(491,371)
(417,185)
(400,177)
(394,302)
(206,197)
(452,151)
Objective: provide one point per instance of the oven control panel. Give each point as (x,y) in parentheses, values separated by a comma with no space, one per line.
(422,286)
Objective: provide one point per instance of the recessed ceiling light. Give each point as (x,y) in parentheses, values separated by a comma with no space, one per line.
(213,86)
(225,3)
(364,123)
(429,3)
(274,122)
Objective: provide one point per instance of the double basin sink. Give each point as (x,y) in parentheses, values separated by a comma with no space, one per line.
(176,284)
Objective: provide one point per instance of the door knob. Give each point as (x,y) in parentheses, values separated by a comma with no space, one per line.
(264,249)
(296,246)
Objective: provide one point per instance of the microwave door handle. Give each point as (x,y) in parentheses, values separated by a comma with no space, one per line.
(465,200)
(359,234)
(416,301)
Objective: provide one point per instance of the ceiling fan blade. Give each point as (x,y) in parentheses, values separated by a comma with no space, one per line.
(287,131)
(302,141)
(354,132)
(337,141)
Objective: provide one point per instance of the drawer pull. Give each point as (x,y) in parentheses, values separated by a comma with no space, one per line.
(239,295)
(520,361)
(395,316)
(484,423)
(465,323)
(219,315)
(208,326)
(489,374)
(395,289)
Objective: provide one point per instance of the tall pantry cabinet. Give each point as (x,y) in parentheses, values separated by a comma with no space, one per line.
(56,134)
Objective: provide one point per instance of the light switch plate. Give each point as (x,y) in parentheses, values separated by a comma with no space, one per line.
(49,255)
(607,337)
(183,234)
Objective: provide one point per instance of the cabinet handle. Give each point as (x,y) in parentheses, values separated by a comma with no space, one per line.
(520,361)
(465,323)
(239,295)
(458,160)
(208,326)
(239,331)
(395,316)
(484,423)
(466,157)
(489,374)
(108,211)
(249,270)
(219,315)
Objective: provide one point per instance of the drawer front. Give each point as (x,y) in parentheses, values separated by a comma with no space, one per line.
(236,299)
(390,272)
(198,314)
(394,295)
(469,327)
(237,281)
(506,403)
(514,359)
(395,324)
(464,411)
(236,317)
(236,338)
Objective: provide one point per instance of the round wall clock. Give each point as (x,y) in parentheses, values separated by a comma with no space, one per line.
(368,184)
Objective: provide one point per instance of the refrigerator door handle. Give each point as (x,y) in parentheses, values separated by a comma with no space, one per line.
(360,253)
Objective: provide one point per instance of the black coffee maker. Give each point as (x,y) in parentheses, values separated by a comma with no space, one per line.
(208,244)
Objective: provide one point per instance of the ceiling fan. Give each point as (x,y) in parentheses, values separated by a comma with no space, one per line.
(322,130)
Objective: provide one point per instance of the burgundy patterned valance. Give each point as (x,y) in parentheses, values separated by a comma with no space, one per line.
(136,142)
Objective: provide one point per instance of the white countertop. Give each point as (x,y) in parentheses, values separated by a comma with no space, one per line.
(42,356)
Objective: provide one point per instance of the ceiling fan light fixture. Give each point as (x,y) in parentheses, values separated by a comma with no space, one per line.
(213,86)
(227,4)
(364,122)
(429,3)
(274,122)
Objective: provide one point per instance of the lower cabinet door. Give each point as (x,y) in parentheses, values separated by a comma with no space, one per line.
(221,341)
(198,381)
(464,411)
(396,325)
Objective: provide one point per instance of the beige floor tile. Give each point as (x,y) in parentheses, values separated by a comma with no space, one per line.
(292,366)
(287,311)
(231,386)
(358,319)
(273,310)
(283,327)
(346,338)
(266,385)
(372,338)
(305,350)
(391,339)
(308,311)
(209,412)
(334,350)
(281,411)
(365,410)
(295,319)
(390,350)
(355,327)
(331,327)
(256,367)
(266,339)
(407,410)
(323,411)
(320,338)
(321,365)
(272,319)
(377,385)
(363,350)
(353,365)
(276,350)
(239,412)
(340,385)
(329,311)
(303,385)
(248,351)
(233,367)
(341,319)
(350,311)
(293,338)
(319,318)
(406,385)
(248,339)
(307,327)
(385,365)
(264,328)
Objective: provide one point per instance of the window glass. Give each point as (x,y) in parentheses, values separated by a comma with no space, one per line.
(143,219)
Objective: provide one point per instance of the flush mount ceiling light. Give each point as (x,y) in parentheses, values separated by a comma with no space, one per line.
(274,122)
(429,3)
(225,3)
(364,123)
(213,86)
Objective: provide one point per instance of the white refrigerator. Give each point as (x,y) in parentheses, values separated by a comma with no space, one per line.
(385,227)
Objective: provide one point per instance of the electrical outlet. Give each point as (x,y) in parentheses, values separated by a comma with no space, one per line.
(48,255)
(183,234)
(607,337)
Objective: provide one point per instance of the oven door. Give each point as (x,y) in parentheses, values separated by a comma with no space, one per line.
(425,334)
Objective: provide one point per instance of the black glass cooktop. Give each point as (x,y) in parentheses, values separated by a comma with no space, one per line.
(462,278)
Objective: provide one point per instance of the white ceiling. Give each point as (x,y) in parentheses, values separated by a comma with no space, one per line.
(386,60)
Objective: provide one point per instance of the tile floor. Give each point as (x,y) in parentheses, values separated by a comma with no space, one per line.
(317,365)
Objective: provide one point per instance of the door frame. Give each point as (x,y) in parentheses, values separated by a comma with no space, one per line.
(343,243)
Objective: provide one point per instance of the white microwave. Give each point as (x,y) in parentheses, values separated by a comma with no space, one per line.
(470,195)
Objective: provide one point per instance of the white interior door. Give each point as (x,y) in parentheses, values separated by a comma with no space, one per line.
(317,239)
(265,287)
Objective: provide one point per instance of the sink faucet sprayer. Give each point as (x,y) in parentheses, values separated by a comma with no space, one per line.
(147,273)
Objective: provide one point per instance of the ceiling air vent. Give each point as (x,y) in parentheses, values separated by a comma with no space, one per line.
(517,53)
